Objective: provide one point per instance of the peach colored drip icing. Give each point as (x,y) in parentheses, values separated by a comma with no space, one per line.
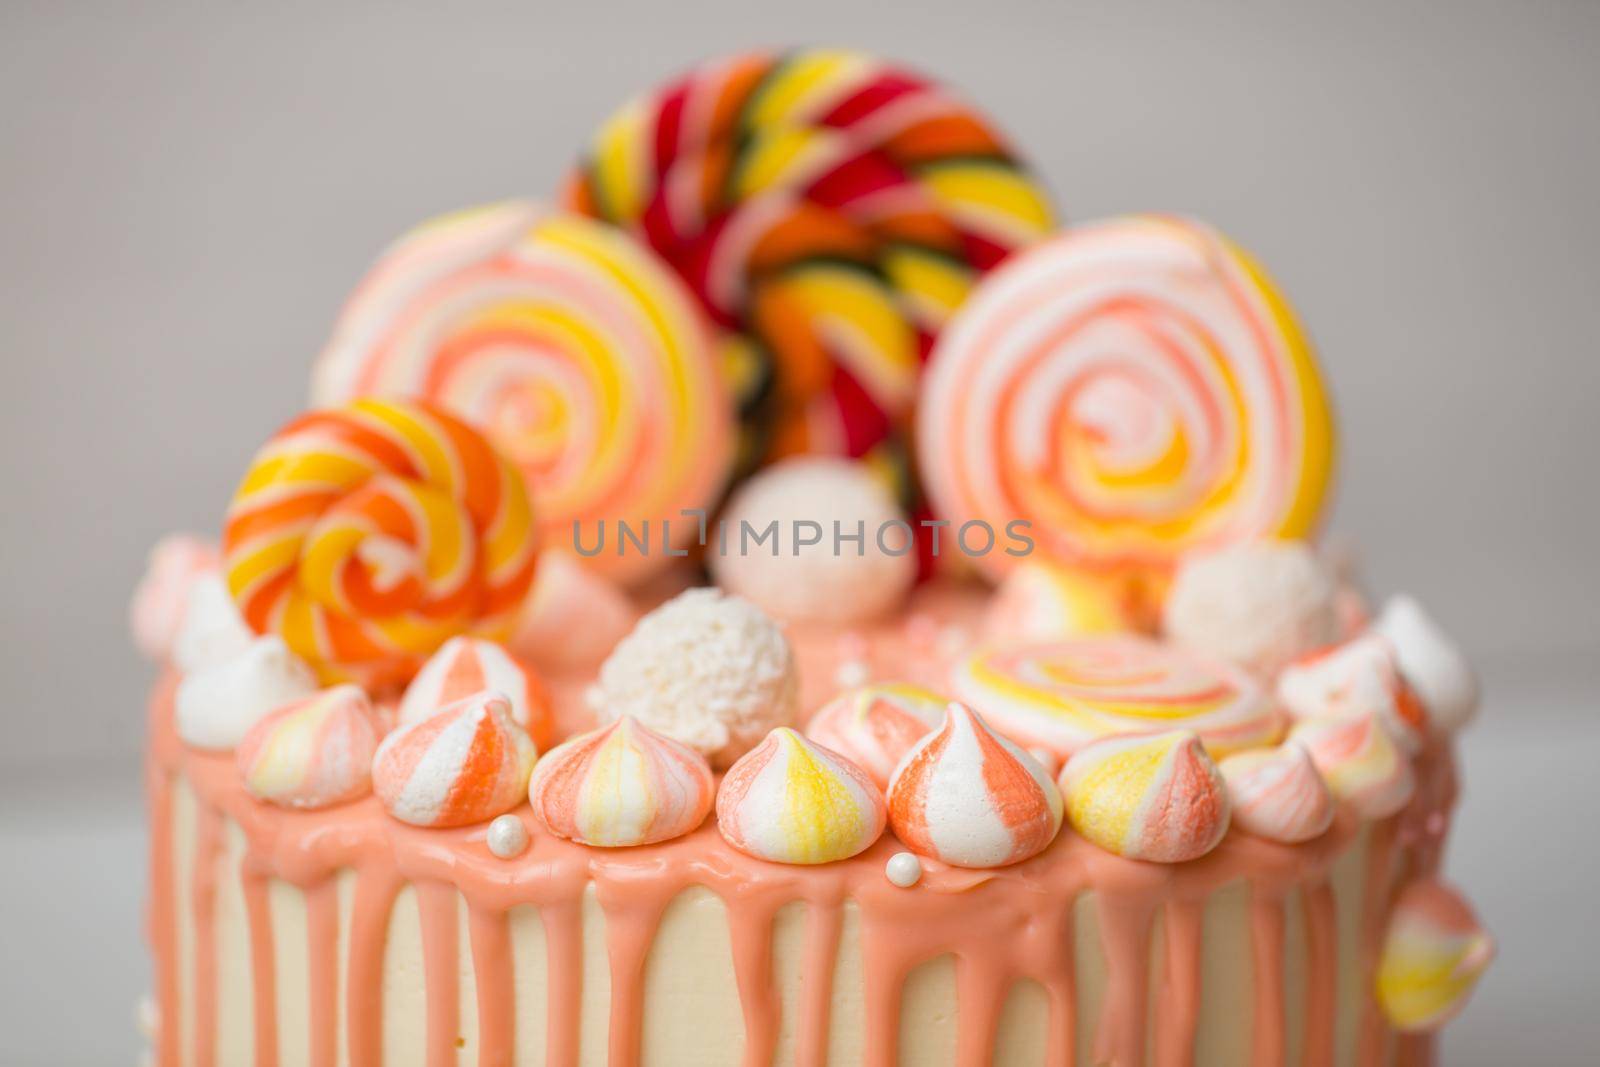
(441,945)
(1322,962)
(1000,925)
(1266,947)
(161,928)
(322,956)
(263,954)
(1179,1004)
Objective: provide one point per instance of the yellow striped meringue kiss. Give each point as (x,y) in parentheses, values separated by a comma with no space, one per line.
(1361,761)
(876,725)
(313,753)
(1156,798)
(621,785)
(1433,956)
(789,800)
(1277,793)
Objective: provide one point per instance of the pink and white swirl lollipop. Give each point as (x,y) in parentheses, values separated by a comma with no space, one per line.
(1135,389)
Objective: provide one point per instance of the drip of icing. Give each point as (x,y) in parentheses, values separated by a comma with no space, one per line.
(1010,929)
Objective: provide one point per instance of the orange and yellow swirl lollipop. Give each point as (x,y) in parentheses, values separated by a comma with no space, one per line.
(1135,389)
(570,344)
(368,535)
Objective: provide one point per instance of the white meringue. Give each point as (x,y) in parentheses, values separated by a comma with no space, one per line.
(212,630)
(1431,663)
(1359,677)
(215,706)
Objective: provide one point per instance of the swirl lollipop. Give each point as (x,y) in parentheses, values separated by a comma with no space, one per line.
(574,348)
(1136,389)
(1063,695)
(369,535)
(830,211)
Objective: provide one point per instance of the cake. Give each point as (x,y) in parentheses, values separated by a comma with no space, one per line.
(484,734)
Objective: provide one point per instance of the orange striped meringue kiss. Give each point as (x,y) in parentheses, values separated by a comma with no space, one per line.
(1433,955)
(314,753)
(1359,677)
(789,800)
(1431,664)
(1156,798)
(623,784)
(1278,793)
(876,725)
(464,764)
(968,797)
(1361,760)
(466,666)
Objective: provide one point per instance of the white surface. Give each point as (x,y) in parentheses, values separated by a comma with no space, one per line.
(1524,847)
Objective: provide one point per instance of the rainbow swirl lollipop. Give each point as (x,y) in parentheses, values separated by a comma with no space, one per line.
(830,211)
(369,535)
(1061,696)
(573,347)
(1136,389)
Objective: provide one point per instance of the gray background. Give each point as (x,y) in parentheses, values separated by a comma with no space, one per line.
(187,194)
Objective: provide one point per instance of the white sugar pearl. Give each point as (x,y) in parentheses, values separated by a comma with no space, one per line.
(903,870)
(852,674)
(507,837)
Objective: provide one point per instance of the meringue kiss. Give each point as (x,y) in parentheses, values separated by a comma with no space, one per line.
(1154,797)
(970,798)
(623,784)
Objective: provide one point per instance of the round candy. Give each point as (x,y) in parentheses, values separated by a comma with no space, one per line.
(576,350)
(1135,389)
(369,535)
(1065,694)
(830,211)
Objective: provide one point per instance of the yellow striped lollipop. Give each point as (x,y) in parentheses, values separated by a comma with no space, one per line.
(369,535)
(1135,389)
(576,350)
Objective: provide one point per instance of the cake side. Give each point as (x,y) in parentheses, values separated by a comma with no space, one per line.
(364,941)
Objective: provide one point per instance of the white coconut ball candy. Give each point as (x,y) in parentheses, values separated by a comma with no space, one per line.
(705,668)
(834,580)
(1260,605)
(1430,663)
